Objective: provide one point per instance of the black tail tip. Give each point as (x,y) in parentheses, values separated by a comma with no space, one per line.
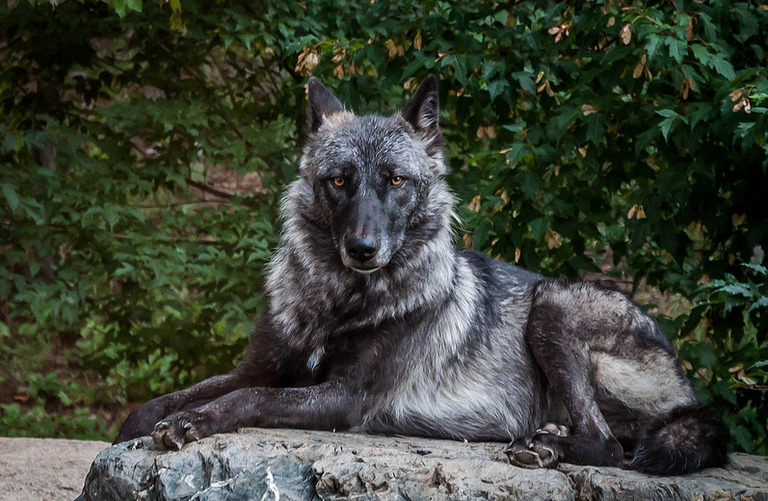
(683,441)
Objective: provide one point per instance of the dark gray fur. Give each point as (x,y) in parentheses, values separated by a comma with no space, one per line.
(376,322)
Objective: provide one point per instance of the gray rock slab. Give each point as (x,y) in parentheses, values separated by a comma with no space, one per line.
(285,465)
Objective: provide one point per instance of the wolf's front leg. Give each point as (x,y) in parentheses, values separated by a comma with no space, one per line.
(325,406)
(142,420)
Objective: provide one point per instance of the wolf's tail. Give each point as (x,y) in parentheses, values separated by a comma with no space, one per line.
(684,440)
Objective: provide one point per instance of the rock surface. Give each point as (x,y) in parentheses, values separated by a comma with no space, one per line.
(285,465)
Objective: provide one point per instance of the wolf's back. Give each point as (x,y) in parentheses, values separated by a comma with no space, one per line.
(683,441)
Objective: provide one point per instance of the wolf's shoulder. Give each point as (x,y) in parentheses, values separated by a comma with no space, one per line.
(494,270)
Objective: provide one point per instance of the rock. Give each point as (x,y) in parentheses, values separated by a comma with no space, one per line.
(261,464)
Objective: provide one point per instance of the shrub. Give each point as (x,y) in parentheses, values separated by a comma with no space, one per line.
(581,134)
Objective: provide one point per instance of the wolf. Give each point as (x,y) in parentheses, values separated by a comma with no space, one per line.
(376,322)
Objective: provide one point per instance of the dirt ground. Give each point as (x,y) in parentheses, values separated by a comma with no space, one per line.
(42,469)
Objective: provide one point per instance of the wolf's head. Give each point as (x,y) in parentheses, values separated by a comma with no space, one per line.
(371,178)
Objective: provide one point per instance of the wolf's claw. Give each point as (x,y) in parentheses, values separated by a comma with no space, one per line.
(176,430)
(532,453)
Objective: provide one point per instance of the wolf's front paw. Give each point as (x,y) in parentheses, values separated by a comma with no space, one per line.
(179,428)
(533,452)
(140,422)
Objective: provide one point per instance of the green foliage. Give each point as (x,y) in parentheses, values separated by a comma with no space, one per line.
(114,228)
(581,134)
(729,349)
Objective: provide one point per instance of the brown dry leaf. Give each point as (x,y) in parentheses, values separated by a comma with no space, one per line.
(638,70)
(744,104)
(641,66)
(417,41)
(504,152)
(394,48)
(696,227)
(588,109)
(687,86)
(517,255)
(553,239)
(689,31)
(307,62)
(636,211)
(339,56)
(486,130)
(545,87)
(474,205)
(738,219)
(467,239)
(626,33)
(504,196)
(391,46)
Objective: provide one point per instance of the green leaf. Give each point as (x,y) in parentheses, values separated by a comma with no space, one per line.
(761,302)
(677,48)
(757,268)
(666,127)
(111,215)
(652,46)
(724,67)
(701,53)
(122,7)
(744,438)
(667,113)
(496,87)
(11,197)
(539,227)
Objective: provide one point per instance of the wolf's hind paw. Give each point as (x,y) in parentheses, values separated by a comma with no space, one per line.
(532,453)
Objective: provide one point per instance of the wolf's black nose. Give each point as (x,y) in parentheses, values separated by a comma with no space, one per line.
(362,248)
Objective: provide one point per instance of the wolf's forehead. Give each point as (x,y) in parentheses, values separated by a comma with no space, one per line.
(368,141)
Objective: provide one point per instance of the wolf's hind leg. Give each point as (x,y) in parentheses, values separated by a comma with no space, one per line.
(564,358)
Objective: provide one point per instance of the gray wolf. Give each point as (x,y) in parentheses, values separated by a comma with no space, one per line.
(377,322)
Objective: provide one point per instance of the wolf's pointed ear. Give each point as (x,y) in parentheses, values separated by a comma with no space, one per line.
(423,114)
(322,103)
(423,111)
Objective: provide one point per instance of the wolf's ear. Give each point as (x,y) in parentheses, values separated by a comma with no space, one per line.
(322,102)
(423,111)
(423,114)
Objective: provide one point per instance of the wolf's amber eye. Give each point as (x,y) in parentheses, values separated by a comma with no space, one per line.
(338,181)
(396,180)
